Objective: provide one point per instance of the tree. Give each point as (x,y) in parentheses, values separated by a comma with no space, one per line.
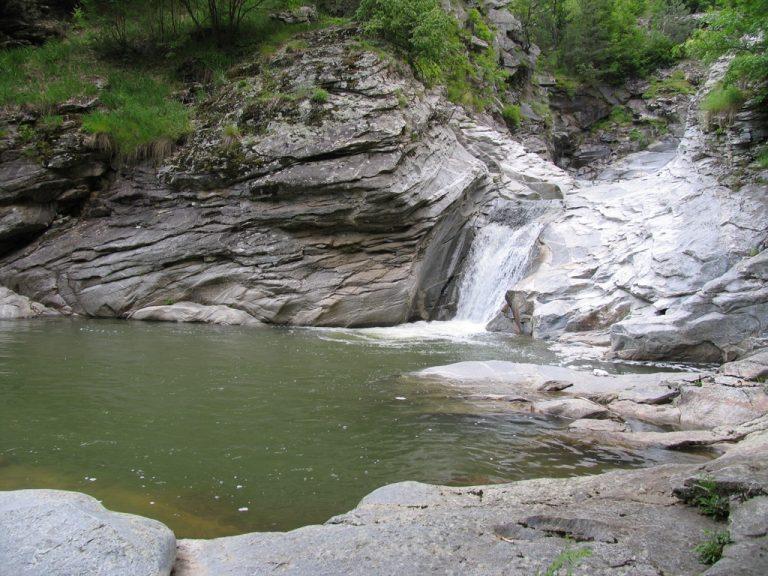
(740,28)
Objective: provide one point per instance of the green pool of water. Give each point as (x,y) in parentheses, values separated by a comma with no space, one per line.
(223,430)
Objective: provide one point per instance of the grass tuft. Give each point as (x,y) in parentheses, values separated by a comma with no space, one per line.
(709,501)
(675,83)
(711,550)
(319,96)
(511,114)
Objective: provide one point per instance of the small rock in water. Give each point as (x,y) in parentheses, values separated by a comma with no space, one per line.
(598,372)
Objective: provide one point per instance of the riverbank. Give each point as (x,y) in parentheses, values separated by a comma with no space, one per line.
(629,522)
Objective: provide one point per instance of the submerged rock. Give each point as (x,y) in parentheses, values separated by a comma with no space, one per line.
(56,533)
(690,401)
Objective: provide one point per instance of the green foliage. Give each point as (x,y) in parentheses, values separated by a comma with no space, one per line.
(433,42)
(319,96)
(479,26)
(568,559)
(762,158)
(141,120)
(723,99)
(710,502)
(675,83)
(740,28)
(42,77)
(511,115)
(605,40)
(427,34)
(711,550)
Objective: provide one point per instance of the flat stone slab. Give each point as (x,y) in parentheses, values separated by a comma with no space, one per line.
(511,377)
(594,425)
(57,533)
(750,367)
(686,400)
(573,408)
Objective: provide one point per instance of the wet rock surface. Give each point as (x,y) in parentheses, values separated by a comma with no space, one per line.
(695,403)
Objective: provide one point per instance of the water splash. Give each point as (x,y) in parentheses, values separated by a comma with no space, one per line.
(498,258)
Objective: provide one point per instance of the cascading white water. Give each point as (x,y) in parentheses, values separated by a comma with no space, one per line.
(498,258)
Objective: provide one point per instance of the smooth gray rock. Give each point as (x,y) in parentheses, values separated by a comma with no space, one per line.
(14,306)
(191,312)
(573,408)
(750,367)
(56,533)
(358,211)
(593,425)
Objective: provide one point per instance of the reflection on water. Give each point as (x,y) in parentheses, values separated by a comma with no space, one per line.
(222,430)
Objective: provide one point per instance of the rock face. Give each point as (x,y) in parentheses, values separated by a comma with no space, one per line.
(59,533)
(14,306)
(660,252)
(329,187)
(355,207)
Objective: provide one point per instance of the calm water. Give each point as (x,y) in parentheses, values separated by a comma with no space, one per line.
(218,431)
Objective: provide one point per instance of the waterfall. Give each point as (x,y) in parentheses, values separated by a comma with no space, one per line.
(497,260)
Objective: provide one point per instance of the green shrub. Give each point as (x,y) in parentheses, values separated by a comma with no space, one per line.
(320,96)
(676,83)
(711,550)
(709,501)
(511,114)
(479,26)
(739,28)
(723,99)
(432,41)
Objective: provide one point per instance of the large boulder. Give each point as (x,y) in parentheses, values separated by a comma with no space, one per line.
(56,533)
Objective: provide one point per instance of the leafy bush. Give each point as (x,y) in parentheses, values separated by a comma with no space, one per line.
(723,99)
(320,96)
(426,33)
(605,40)
(511,115)
(738,27)
(433,42)
(711,550)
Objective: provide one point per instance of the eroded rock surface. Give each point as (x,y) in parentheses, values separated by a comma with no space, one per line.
(352,209)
